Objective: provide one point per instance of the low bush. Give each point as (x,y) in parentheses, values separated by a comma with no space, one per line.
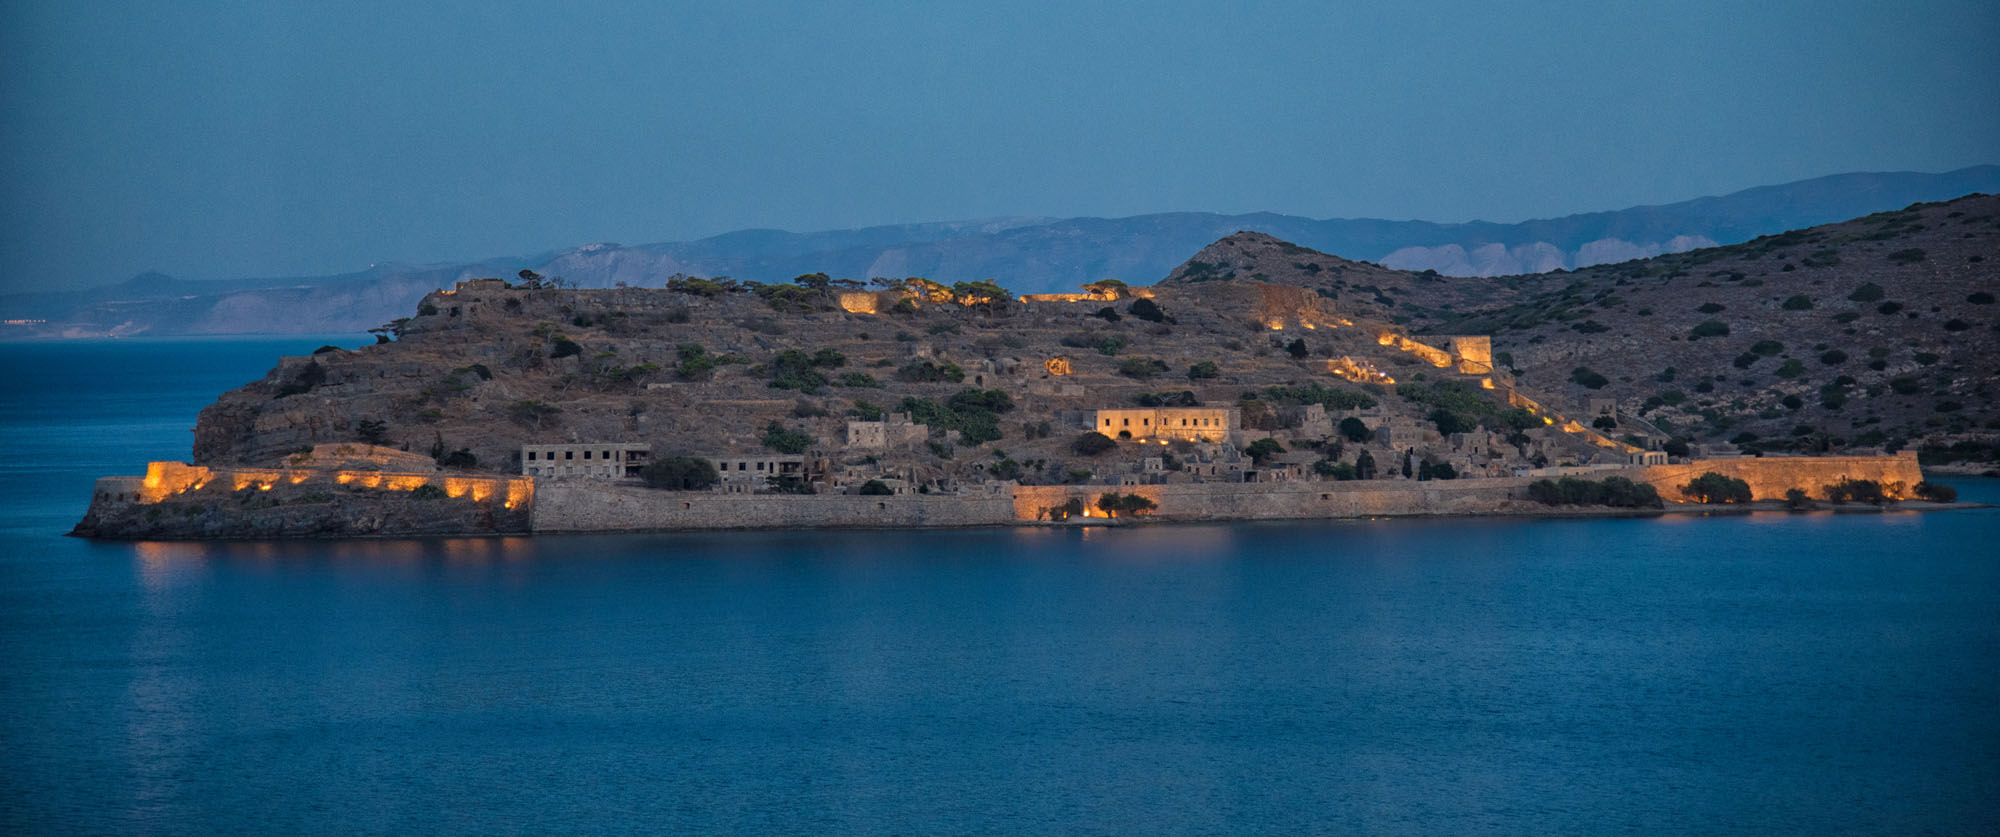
(1092,443)
(1936,492)
(786,440)
(1115,504)
(1616,492)
(1587,378)
(1860,491)
(1712,487)
(680,473)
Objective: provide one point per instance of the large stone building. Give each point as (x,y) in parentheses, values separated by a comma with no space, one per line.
(1188,424)
(593,460)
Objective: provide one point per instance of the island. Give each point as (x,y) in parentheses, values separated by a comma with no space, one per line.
(1259,380)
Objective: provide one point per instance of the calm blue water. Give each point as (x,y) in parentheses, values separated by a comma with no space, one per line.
(1802,674)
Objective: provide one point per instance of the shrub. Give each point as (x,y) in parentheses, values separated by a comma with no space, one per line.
(1909,256)
(1204,369)
(793,369)
(1980,298)
(1708,328)
(1115,504)
(1936,492)
(1796,499)
(531,413)
(1092,443)
(1955,324)
(1147,310)
(680,473)
(1712,487)
(428,492)
(875,488)
(1833,357)
(1887,308)
(1860,491)
(786,440)
(1340,471)
(1450,421)
(991,400)
(1355,429)
(1868,292)
(1142,367)
(461,458)
(1907,385)
(924,371)
(1797,302)
(372,431)
(1617,492)
(1589,379)
(1263,449)
(859,379)
(1791,368)
(1767,348)
(311,375)
(1297,348)
(1328,397)
(564,347)
(1711,307)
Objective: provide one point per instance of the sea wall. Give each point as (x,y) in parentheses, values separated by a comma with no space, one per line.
(578,506)
(585,506)
(179,501)
(1770,476)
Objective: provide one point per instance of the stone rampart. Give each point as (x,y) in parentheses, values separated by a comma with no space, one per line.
(166,480)
(121,508)
(584,507)
(1770,476)
(573,506)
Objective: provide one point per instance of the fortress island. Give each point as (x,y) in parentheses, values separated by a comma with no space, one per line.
(1260,380)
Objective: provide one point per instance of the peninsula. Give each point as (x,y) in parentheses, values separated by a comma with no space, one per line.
(1257,380)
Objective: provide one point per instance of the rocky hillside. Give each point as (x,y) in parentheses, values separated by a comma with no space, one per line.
(1880,331)
(1005,388)
(1874,333)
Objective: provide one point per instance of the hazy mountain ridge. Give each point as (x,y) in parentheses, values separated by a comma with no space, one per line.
(1026,254)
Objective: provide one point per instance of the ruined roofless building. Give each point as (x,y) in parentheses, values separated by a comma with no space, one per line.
(595,460)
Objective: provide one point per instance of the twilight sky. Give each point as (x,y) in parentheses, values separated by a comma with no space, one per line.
(215,140)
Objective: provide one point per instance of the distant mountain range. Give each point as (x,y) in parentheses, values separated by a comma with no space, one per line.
(1024,254)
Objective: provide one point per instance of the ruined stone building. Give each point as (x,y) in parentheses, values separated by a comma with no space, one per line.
(593,460)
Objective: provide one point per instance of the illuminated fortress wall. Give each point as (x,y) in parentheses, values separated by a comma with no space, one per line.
(165,480)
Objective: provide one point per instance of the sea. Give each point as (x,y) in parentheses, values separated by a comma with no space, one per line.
(1768,673)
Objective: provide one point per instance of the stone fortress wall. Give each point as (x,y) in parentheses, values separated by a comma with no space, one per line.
(1770,476)
(165,480)
(602,506)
